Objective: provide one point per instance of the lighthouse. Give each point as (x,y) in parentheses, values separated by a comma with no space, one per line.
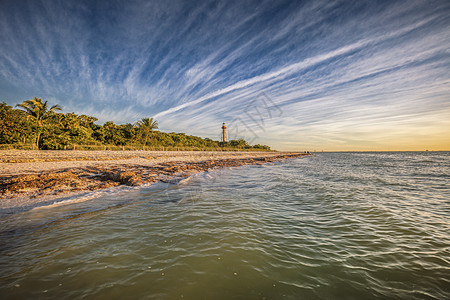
(224,132)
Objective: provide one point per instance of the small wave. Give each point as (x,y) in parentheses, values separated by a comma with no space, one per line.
(185,180)
(71,200)
(83,197)
(197,176)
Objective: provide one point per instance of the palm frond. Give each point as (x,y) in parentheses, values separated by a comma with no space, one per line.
(28,108)
(55,108)
(147,124)
(38,109)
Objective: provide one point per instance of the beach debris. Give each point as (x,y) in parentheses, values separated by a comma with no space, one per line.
(105,176)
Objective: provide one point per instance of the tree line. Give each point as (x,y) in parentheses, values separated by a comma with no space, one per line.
(35,122)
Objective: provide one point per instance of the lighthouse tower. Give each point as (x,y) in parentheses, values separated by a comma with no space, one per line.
(224,133)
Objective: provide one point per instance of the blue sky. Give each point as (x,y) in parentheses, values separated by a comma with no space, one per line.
(296,75)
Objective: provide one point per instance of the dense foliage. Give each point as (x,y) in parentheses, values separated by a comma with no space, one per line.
(48,129)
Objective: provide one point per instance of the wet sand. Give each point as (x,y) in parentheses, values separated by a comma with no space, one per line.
(28,178)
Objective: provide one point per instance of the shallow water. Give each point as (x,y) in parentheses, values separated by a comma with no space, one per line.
(333,226)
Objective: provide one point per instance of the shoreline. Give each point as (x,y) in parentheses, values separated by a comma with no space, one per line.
(68,174)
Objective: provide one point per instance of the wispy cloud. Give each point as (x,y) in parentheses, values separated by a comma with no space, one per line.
(344,74)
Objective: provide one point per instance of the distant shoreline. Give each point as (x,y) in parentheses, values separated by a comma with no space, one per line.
(28,178)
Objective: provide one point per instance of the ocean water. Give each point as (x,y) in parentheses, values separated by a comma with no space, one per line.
(331,226)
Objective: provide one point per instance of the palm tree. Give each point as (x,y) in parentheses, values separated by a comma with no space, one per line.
(39,112)
(147,125)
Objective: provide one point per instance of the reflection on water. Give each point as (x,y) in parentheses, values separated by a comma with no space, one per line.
(334,226)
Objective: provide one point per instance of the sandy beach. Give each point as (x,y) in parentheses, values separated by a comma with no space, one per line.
(33,178)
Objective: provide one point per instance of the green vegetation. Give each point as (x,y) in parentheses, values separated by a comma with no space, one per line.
(38,112)
(146,125)
(45,128)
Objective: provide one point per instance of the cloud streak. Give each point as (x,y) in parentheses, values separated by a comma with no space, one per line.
(344,74)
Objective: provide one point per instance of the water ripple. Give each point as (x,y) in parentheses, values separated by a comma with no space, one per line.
(334,226)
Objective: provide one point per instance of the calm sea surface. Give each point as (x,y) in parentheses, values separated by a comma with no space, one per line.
(333,226)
